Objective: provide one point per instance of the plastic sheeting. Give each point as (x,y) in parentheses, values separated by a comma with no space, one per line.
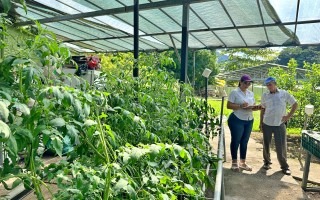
(212,24)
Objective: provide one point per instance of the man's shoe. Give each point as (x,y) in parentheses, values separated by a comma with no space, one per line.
(286,171)
(266,166)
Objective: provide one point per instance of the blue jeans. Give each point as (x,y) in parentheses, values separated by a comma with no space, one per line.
(240,134)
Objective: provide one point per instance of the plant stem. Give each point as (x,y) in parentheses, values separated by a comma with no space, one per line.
(20,79)
(108,177)
(94,149)
(107,185)
(34,174)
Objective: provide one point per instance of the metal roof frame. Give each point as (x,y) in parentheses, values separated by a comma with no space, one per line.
(172,34)
(258,73)
(113,11)
(190,24)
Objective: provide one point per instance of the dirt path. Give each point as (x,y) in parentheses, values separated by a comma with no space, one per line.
(263,184)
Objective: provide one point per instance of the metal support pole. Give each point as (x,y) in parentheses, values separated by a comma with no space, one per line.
(219,185)
(221,124)
(304,128)
(306,171)
(184,43)
(136,38)
(223,190)
(194,70)
(206,104)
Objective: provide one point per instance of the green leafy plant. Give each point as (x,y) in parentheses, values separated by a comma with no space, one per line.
(122,138)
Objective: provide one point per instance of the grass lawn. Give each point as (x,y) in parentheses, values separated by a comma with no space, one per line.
(216,104)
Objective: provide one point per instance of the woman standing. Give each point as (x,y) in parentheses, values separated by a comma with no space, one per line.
(240,122)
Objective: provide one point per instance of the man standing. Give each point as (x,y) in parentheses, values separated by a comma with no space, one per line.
(273,120)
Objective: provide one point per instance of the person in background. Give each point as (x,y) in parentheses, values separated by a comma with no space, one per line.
(273,120)
(240,122)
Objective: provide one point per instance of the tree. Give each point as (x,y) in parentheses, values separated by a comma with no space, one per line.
(203,59)
(286,79)
(300,54)
(168,60)
(245,57)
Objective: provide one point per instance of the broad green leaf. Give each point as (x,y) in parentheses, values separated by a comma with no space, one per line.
(16,183)
(125,157)
(177,149)
(5,131)
(154,179)
(89,122)
(189,189)
(61,177)
(38,129)
(57,93)
(145,179)
(68,98)
(46,136)
(8,103)
(126,113)
(4,112)
(30,72)
(136,153)
(77,107)
(11,146)
(7,62)
(164,197)
(121,184)
(44,93)
(54,47)
(155,149)
(88,97)
(22,108)
(57,122)
(73,133)
(5,95)
(64,52)
(131,191)
(24,133)
(57,145)
(86,109)
(6,5)
(153,164)
(20,61)
(75,191)
(23,3)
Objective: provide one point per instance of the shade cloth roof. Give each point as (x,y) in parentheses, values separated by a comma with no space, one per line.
(107,25)
(258,73)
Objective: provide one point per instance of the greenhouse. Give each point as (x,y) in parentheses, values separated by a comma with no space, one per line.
(90,110)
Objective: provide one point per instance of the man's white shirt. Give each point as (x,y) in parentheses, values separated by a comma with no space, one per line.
(275,106)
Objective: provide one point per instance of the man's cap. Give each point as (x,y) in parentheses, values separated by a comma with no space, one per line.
(269,80)
(246,77)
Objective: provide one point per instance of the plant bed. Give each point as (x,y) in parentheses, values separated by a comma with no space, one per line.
(130,138)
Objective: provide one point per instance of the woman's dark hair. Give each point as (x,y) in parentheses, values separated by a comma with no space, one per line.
(239,84)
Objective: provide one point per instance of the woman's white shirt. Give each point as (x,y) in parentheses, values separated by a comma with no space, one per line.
(237,96)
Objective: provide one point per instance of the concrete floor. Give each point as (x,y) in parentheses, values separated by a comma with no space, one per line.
(261,183)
